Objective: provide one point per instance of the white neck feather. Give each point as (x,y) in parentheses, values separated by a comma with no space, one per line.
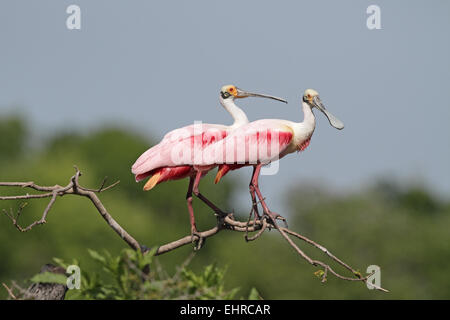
(305,129)
(239,116)
(308,115)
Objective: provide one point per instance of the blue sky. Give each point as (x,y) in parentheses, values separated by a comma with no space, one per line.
(157,65)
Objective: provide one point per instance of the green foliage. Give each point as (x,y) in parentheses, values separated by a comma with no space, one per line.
(208,285)
(49,277)
(133,275)
(254,295)
(319,274)
(13,136)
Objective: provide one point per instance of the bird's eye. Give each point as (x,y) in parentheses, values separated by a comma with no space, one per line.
(231,89)
(225,94)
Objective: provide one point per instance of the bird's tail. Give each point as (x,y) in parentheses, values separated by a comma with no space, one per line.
(224,168)
(165,174)
(153,181)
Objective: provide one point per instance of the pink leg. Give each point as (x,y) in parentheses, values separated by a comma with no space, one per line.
(254,182)
(253,195)
(189,204)
(202,197)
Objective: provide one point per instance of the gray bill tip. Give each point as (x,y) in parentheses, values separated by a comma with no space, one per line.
(335,122)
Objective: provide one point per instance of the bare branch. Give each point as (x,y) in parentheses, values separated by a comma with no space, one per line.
(10,293)
(72,188)
(224,222)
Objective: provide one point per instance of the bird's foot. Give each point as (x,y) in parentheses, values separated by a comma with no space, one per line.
(197,239)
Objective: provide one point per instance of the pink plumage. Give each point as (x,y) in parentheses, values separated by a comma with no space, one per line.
(178,148)
(258,142)
(180,152)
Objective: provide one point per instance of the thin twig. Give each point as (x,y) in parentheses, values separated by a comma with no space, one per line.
(72,188)
(10,293)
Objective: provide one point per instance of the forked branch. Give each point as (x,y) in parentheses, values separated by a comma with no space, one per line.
(225,222)
(52,192)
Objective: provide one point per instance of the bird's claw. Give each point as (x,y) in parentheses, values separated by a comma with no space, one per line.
(197,240)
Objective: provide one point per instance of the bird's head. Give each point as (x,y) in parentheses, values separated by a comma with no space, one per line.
(311,97)
(232,92)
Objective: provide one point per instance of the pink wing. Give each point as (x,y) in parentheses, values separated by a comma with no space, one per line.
(257,142)
(179,147)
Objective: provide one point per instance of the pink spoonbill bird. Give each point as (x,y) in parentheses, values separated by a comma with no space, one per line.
(175,158)
(260,142)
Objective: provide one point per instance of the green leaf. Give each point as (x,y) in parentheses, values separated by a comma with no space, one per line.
(60,262)
(49,277)
(254,295)
(148,257)
(97,256)
(319,273)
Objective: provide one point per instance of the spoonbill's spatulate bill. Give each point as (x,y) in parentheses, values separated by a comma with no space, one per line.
(262,141)
(174,157)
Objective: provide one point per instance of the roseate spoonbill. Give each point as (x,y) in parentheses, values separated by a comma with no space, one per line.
(164,162)
(263,141)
